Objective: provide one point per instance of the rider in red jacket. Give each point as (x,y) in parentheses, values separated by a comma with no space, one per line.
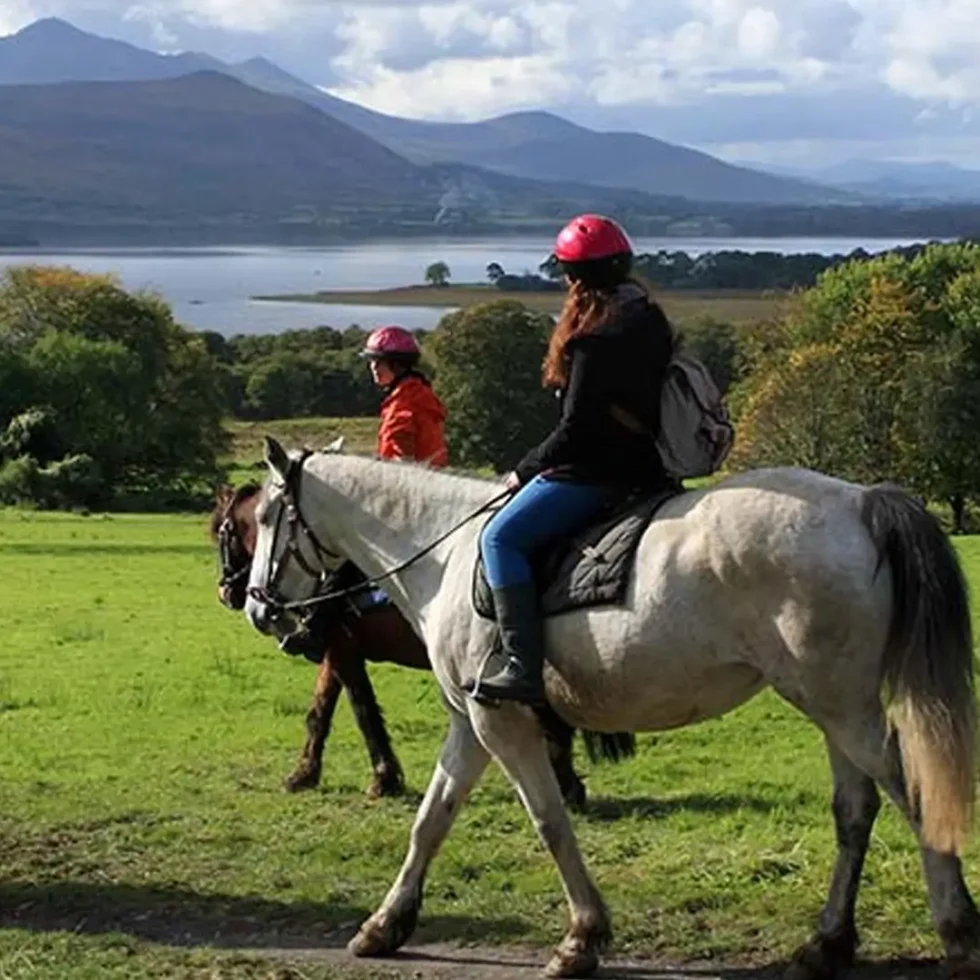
(412,416)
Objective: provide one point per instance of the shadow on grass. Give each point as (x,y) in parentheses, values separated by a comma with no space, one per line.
(181,917)
(620,808)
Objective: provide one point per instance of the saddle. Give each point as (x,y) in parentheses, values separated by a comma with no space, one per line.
(590,569)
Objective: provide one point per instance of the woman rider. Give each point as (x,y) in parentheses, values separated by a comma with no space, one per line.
(608,352)
(412,416)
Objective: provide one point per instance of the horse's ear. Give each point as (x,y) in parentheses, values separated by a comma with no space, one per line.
(337,446)
(277,458)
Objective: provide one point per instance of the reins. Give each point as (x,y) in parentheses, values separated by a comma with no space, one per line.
(265,595)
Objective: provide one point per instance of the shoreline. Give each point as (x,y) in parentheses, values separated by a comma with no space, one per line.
(731,304)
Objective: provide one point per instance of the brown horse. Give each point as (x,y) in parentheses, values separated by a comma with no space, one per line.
(342,639)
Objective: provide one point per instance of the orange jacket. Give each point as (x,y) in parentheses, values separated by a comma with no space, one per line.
(411,423)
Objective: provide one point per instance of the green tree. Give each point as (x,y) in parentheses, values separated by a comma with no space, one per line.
(495,272)
(134,401)
(488,362)
(438,274)
(874,375)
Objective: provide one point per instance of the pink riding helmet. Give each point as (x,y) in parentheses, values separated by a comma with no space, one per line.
(390,340)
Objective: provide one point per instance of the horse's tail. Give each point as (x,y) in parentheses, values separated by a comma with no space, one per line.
(927,671)
(603,746)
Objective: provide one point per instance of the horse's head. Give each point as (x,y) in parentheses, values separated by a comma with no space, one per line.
(233,530)
(290,562)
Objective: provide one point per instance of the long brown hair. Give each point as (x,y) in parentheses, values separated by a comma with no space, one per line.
(586,309)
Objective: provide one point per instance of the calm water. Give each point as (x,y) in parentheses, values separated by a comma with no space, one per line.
(209,289)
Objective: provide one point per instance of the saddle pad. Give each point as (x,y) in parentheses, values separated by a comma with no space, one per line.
(590,569)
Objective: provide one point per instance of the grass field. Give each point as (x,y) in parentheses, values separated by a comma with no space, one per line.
(734,306)
(245,449)
(145,732)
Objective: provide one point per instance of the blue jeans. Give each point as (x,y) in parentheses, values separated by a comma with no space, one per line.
(541,511)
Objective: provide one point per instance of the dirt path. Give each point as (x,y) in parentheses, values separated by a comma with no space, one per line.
(292,941)
(440,961)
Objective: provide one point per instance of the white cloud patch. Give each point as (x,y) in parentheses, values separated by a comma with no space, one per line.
(627,59)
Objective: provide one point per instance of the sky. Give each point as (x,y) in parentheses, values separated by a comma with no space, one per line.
(785,82)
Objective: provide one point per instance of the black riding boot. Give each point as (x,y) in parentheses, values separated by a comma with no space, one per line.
(522,638)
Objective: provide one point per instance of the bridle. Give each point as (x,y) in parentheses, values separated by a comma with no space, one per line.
(236,563)
(297,526)
(297,529)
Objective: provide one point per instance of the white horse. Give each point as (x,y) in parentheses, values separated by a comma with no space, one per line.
(847,600)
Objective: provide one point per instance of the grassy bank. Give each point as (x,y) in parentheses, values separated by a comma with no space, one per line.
(143,828)
(729,305)
(245,450)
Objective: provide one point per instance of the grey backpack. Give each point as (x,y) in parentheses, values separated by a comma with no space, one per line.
(696,434)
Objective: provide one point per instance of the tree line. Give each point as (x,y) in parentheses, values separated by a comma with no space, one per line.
(678,270)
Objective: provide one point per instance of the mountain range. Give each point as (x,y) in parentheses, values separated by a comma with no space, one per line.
(104,141)
(535,145)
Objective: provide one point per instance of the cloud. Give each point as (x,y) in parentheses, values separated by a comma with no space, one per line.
(704,71)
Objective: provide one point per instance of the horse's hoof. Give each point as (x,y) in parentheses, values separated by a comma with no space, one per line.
(382,937)
(822,958)
(305,777)
(569,962)
(370,941)
(575,796)
(386,784)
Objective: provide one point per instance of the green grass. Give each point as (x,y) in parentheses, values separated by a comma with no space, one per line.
(245,451)
(145,732)
(731,305)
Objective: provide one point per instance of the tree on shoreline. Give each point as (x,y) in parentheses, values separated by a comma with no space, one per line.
(438,274)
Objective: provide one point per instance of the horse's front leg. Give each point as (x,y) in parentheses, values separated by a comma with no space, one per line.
(514,737)
(460,765)
(388,777)
(326,692)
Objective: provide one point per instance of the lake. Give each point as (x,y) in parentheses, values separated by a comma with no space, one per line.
(209,289)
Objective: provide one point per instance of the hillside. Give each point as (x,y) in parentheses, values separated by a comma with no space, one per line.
(539,145)
(207,149)
(198,145)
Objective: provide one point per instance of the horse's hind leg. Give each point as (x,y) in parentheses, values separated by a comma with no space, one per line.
(388,777)
(856,803)
(460,765)
(953,910)
(560,736)
(306,775)
(514,737)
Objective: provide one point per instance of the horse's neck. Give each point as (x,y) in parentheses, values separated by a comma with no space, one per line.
(382,515)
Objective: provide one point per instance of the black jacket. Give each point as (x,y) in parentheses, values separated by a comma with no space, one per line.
(622,363)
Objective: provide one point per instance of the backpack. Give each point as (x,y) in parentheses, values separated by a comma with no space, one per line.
(696,434)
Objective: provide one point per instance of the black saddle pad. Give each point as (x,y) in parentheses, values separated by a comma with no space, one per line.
(590,569)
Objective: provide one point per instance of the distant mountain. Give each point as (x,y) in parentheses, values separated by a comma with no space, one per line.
(197,145)
(546,147)
(52,50)
(208,149)
(890,179)
(536,145)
